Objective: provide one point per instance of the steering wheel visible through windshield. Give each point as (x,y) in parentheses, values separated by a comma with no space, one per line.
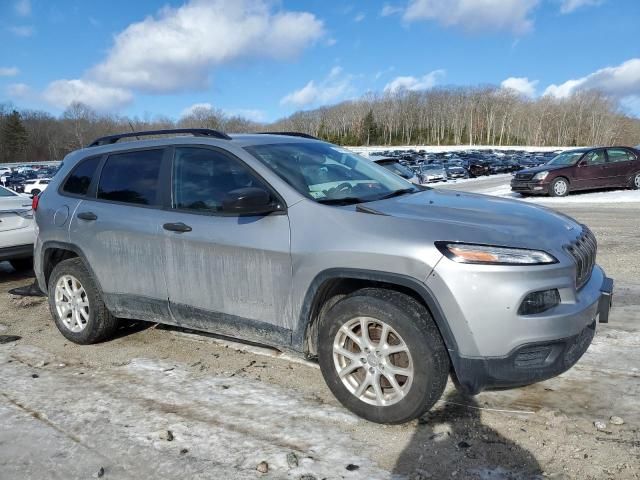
(330,174)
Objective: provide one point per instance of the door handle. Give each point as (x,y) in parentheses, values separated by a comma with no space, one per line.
(87,216)
(177,227)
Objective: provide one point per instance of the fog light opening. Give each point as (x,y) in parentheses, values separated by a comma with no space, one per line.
(538,302)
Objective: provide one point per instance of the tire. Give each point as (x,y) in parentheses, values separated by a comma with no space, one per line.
(96,324)
(411,329)
(35,192)
(635,181)
(556,188)
(22,264)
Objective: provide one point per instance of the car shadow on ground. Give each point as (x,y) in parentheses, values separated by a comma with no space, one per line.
(8,274)
(451,441)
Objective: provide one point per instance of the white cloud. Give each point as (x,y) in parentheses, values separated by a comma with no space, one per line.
(23,7)
(62,93)
(195,108)
(388,10)
(521,85)
(359,17)
(569,6)
(475,15)
(332,88)
(22,30)
(620,81)
(9,71)
(414,83)
(176,49)
(19,90)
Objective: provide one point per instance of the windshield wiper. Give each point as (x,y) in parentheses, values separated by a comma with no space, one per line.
(342,201)
(397,193)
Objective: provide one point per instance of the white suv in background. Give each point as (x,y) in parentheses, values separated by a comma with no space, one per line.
(17,232)
(36,186)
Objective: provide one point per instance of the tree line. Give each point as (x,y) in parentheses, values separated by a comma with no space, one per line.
(439,116)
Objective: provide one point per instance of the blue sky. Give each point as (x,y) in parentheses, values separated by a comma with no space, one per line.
(266,59)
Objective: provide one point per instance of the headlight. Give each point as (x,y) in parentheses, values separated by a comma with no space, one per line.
(540,175)
(493,255)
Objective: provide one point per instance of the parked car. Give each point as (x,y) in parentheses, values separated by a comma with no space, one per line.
(15,182)
(16,229)
(581,169)
(299,244)
(393,165)
(455,171)
(433,173)
(36,185)
(476,168)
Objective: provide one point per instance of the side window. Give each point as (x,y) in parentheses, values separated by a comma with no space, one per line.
(202,178)
(131,177)
(595,158)
(619,155)
(81,176)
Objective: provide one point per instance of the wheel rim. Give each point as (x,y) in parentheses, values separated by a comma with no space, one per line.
(636,181)
(72,303)
(373,361)
(560,187)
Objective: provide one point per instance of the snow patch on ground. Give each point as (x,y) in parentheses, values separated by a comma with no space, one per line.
(609,196)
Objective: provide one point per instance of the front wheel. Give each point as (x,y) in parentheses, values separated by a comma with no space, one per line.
(382,356)
(559,188)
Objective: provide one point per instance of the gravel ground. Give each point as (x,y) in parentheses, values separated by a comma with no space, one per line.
(68,411)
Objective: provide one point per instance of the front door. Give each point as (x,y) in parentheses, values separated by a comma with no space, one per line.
(590,171)
(227,274)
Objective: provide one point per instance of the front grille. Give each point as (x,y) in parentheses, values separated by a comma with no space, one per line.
(583,250)
(524,176)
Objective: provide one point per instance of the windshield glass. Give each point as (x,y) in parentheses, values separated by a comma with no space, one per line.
(397,168)
(566,158)
(6,193)
(330,174)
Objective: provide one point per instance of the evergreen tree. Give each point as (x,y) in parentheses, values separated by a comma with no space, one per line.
(14,138)
(369,128)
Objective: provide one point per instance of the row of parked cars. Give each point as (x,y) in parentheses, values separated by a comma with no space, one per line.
(27,179)
(423,167)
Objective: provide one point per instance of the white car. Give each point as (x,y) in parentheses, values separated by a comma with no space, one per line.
(36,185)
(17,229)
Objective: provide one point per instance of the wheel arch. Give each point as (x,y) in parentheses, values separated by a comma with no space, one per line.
(54,252)
(332,284)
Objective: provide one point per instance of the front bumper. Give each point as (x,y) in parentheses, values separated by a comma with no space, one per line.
(529,186)
(532,362)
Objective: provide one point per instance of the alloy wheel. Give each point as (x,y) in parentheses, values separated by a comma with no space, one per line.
(560,188)
(72,303)
(373,361)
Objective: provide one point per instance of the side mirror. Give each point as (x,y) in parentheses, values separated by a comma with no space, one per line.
(249,201)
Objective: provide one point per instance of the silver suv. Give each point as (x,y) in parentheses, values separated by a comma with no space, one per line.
(302,245)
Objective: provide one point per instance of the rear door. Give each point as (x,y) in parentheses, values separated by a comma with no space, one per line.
(228,274)
(115,228)
(620,166)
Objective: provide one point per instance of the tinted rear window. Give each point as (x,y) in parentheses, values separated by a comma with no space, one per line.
(81,176)
(131,177)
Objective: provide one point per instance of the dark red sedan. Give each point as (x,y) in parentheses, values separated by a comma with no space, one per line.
(581,169)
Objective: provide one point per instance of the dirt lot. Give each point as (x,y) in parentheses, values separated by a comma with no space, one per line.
(75,412)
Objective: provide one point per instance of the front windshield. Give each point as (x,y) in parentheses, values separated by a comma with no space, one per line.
(6,192)
(566,158)
(330,174)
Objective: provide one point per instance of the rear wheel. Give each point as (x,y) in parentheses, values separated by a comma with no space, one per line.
(635,183)
(76,304)
(382,356)
(559,187)
(22,264)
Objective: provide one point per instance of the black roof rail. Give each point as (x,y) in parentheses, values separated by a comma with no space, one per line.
(196,132)
(290,134)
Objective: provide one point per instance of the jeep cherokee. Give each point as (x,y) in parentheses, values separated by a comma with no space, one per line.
(303,245)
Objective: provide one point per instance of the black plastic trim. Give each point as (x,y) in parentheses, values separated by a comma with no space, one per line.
(16,252)
(291,134)
(405,281)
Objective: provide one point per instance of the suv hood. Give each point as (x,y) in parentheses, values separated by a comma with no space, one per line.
(475,218)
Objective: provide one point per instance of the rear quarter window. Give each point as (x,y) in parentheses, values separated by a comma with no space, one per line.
(81,176)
